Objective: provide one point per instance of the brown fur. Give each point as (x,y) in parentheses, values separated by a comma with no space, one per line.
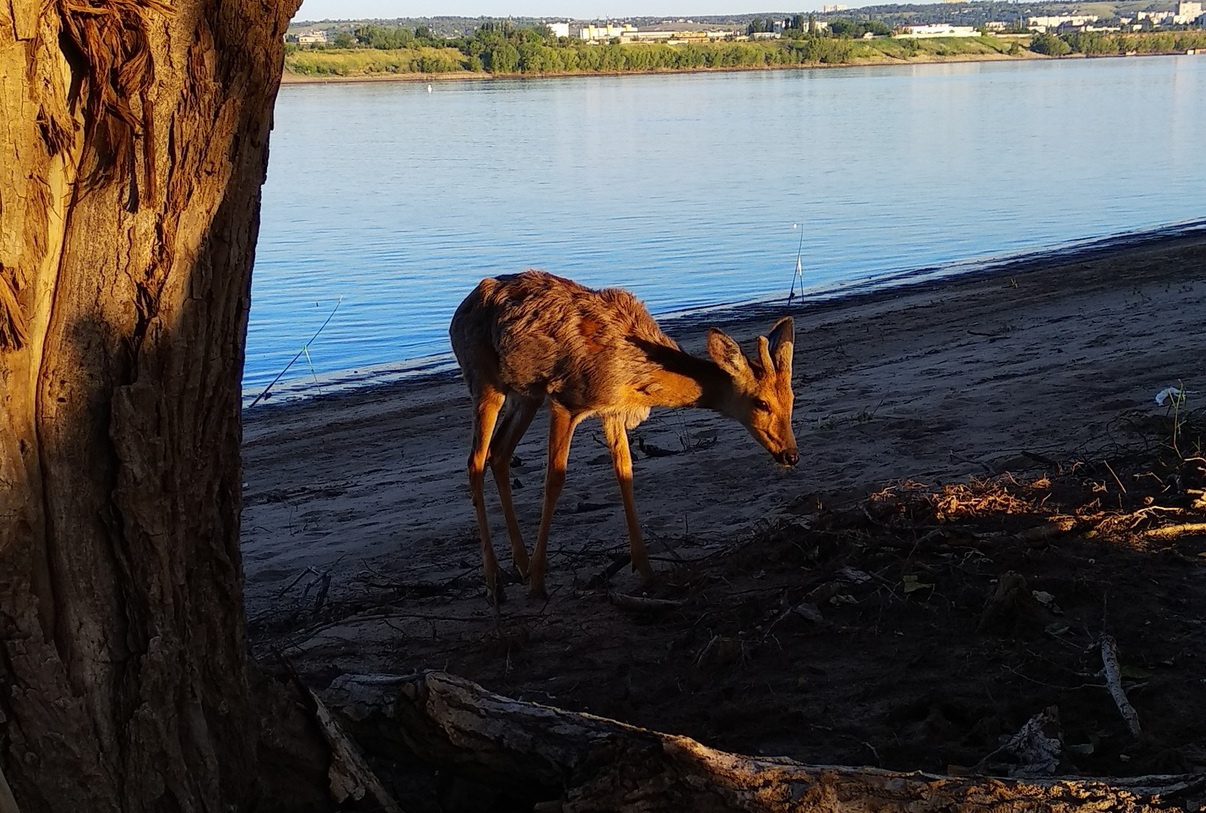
(533,338)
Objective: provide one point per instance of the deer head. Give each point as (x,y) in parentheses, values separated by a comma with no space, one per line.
(761,399)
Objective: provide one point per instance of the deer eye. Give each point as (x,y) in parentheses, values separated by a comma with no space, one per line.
(761,406)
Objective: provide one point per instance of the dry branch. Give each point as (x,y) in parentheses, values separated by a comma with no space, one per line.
(643,604)
(1113,678)
(577,762)
(350,775)
(1173,531)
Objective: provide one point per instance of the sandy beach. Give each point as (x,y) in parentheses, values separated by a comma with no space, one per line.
(937,382)
(808,618)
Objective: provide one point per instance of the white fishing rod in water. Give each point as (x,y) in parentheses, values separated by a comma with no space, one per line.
(305,350)
(799,274)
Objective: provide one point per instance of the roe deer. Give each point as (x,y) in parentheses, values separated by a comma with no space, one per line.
(526,338)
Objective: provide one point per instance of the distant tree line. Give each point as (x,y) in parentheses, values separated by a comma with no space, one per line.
(1115,43)
(502,47)
(505,48)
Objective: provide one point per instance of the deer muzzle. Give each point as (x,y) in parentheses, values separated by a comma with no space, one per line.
(787,457)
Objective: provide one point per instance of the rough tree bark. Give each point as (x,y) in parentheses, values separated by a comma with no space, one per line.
(133,136)
(577,763)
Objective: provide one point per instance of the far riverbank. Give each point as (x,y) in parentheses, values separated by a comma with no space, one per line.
(291,78)
(433,63)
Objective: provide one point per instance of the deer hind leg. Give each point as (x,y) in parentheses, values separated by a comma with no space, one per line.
(514,423)
(561,430)
(487,403)
(621,458)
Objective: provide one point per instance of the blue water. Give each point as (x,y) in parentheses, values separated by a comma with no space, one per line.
(390,201)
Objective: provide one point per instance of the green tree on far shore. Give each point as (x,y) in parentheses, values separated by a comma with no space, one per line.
(1049,45)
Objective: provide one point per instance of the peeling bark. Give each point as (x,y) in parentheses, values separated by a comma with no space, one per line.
(577,763)
(128,217)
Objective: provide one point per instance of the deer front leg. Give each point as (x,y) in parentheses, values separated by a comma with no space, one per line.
(621,458)
(561,430)
(487,404)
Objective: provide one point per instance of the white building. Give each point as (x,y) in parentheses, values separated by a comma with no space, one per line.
(607,31)
(1045,24)
(680,32)
(1187,13)
(314,37)
(559,29)
(936,30)
(1155,17)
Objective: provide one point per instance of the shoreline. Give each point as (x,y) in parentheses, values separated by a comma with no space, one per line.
(868,291)
(288,78)
(1044,358)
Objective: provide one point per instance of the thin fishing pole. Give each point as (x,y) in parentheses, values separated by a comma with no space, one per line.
(299,354)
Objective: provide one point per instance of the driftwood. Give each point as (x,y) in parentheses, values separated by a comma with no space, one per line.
(643,604)
(350,776)
(552,759)
(1173,531)
(1113,678)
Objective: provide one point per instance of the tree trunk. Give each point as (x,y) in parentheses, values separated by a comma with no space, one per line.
(578,763)
(134,143)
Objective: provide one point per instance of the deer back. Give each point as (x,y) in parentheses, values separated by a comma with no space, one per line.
(541,335)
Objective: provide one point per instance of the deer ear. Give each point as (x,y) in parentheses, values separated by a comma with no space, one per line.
(782,343)
(727,354)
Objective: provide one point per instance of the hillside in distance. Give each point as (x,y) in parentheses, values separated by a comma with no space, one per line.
(893,14)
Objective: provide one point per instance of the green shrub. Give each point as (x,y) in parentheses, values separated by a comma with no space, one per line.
(1049,45)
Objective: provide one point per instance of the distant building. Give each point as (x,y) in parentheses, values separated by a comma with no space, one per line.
(936,30)
(559,29)
(607,31)
(680,31)
(1187,13)
(1154,17)
(313,37)
(830,9)
(1044,24)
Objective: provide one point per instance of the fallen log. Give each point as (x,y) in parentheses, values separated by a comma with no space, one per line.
(553,759)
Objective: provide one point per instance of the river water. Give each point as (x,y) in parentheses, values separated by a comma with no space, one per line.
(386,202)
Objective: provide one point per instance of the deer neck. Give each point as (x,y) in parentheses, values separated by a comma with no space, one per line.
(682,380)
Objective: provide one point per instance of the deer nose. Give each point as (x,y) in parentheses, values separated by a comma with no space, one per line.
(788,457)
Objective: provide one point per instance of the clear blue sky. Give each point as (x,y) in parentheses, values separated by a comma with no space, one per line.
(579,9)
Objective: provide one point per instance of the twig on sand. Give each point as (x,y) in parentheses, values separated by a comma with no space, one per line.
(1054,527)
(1042,459)
(958,458)
(1121,487)
(1173,531)
(324,587)
(604,576)
(1113,678)
(643,604)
